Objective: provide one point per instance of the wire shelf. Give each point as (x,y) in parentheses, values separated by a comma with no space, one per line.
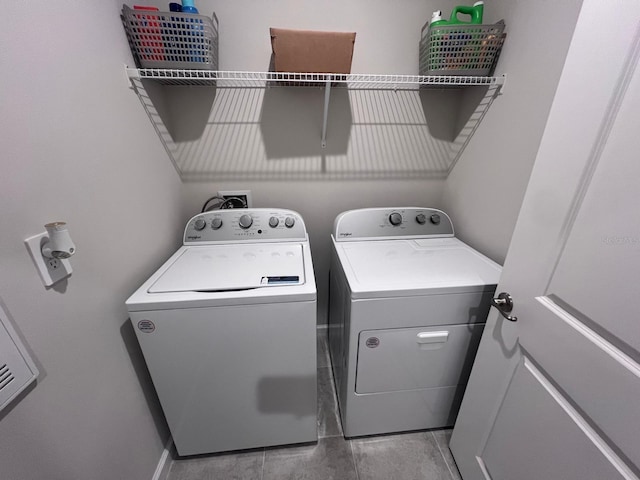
(237,79)
(218,153)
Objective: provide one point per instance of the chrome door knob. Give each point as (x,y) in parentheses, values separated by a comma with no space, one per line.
(504,303)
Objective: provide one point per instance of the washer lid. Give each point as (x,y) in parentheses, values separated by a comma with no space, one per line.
(415,267)
(233,267)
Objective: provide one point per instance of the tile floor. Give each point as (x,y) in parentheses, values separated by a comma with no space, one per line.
(409,456)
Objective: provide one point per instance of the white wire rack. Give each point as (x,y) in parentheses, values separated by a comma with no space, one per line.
(231,79)
(189,161)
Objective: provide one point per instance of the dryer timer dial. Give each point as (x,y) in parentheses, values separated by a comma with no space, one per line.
(395,219)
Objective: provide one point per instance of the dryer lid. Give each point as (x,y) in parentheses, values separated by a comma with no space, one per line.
(415,267)
(233,267)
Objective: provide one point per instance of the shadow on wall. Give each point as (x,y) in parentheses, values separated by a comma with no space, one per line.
(184,110)
(274,133)
(291,122)
(448,111)
(370,134)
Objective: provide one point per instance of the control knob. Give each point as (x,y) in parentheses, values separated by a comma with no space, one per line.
(200,224)
(273,222)
(289,222)
(245,221)
(435,219)
(216,223)
(395,219)
(421,219)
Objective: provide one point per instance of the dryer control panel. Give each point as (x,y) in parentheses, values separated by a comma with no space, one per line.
(389,223)
(245,225)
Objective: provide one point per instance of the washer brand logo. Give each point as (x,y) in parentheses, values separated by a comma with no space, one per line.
(194,237)
(372,342)
(345,234)
(146,326)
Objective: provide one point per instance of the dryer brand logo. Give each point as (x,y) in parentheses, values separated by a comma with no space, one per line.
(345,234)
(194,237)
(372,342)
(146,326)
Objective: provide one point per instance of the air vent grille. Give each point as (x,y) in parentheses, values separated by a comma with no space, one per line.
(17,370)
(6,377)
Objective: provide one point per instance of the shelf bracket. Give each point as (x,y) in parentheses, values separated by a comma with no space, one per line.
(327,96)
(503,83)
(130,74)
(135,83)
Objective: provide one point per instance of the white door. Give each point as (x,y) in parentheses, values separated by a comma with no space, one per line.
(556,394)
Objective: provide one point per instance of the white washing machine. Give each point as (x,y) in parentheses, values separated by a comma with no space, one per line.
(408,302)
(227,327)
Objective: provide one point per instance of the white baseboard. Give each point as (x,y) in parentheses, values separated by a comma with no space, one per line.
(162,469)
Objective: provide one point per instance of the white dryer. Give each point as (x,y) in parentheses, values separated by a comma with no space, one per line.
(408,302)
(227,327)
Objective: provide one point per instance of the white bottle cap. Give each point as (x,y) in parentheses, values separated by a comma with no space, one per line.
(436,16)
(478,3)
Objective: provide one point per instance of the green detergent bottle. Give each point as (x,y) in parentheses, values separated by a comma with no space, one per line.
(474,12)
(464,49)
(447,46)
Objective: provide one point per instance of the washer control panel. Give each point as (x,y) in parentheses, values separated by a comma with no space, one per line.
(385,223)
(249,225)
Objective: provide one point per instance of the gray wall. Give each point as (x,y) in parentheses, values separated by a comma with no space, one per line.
(380,151)
(76,146)
(484,191)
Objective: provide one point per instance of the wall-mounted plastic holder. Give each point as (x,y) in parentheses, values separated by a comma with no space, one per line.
(460,49)
(172,39)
